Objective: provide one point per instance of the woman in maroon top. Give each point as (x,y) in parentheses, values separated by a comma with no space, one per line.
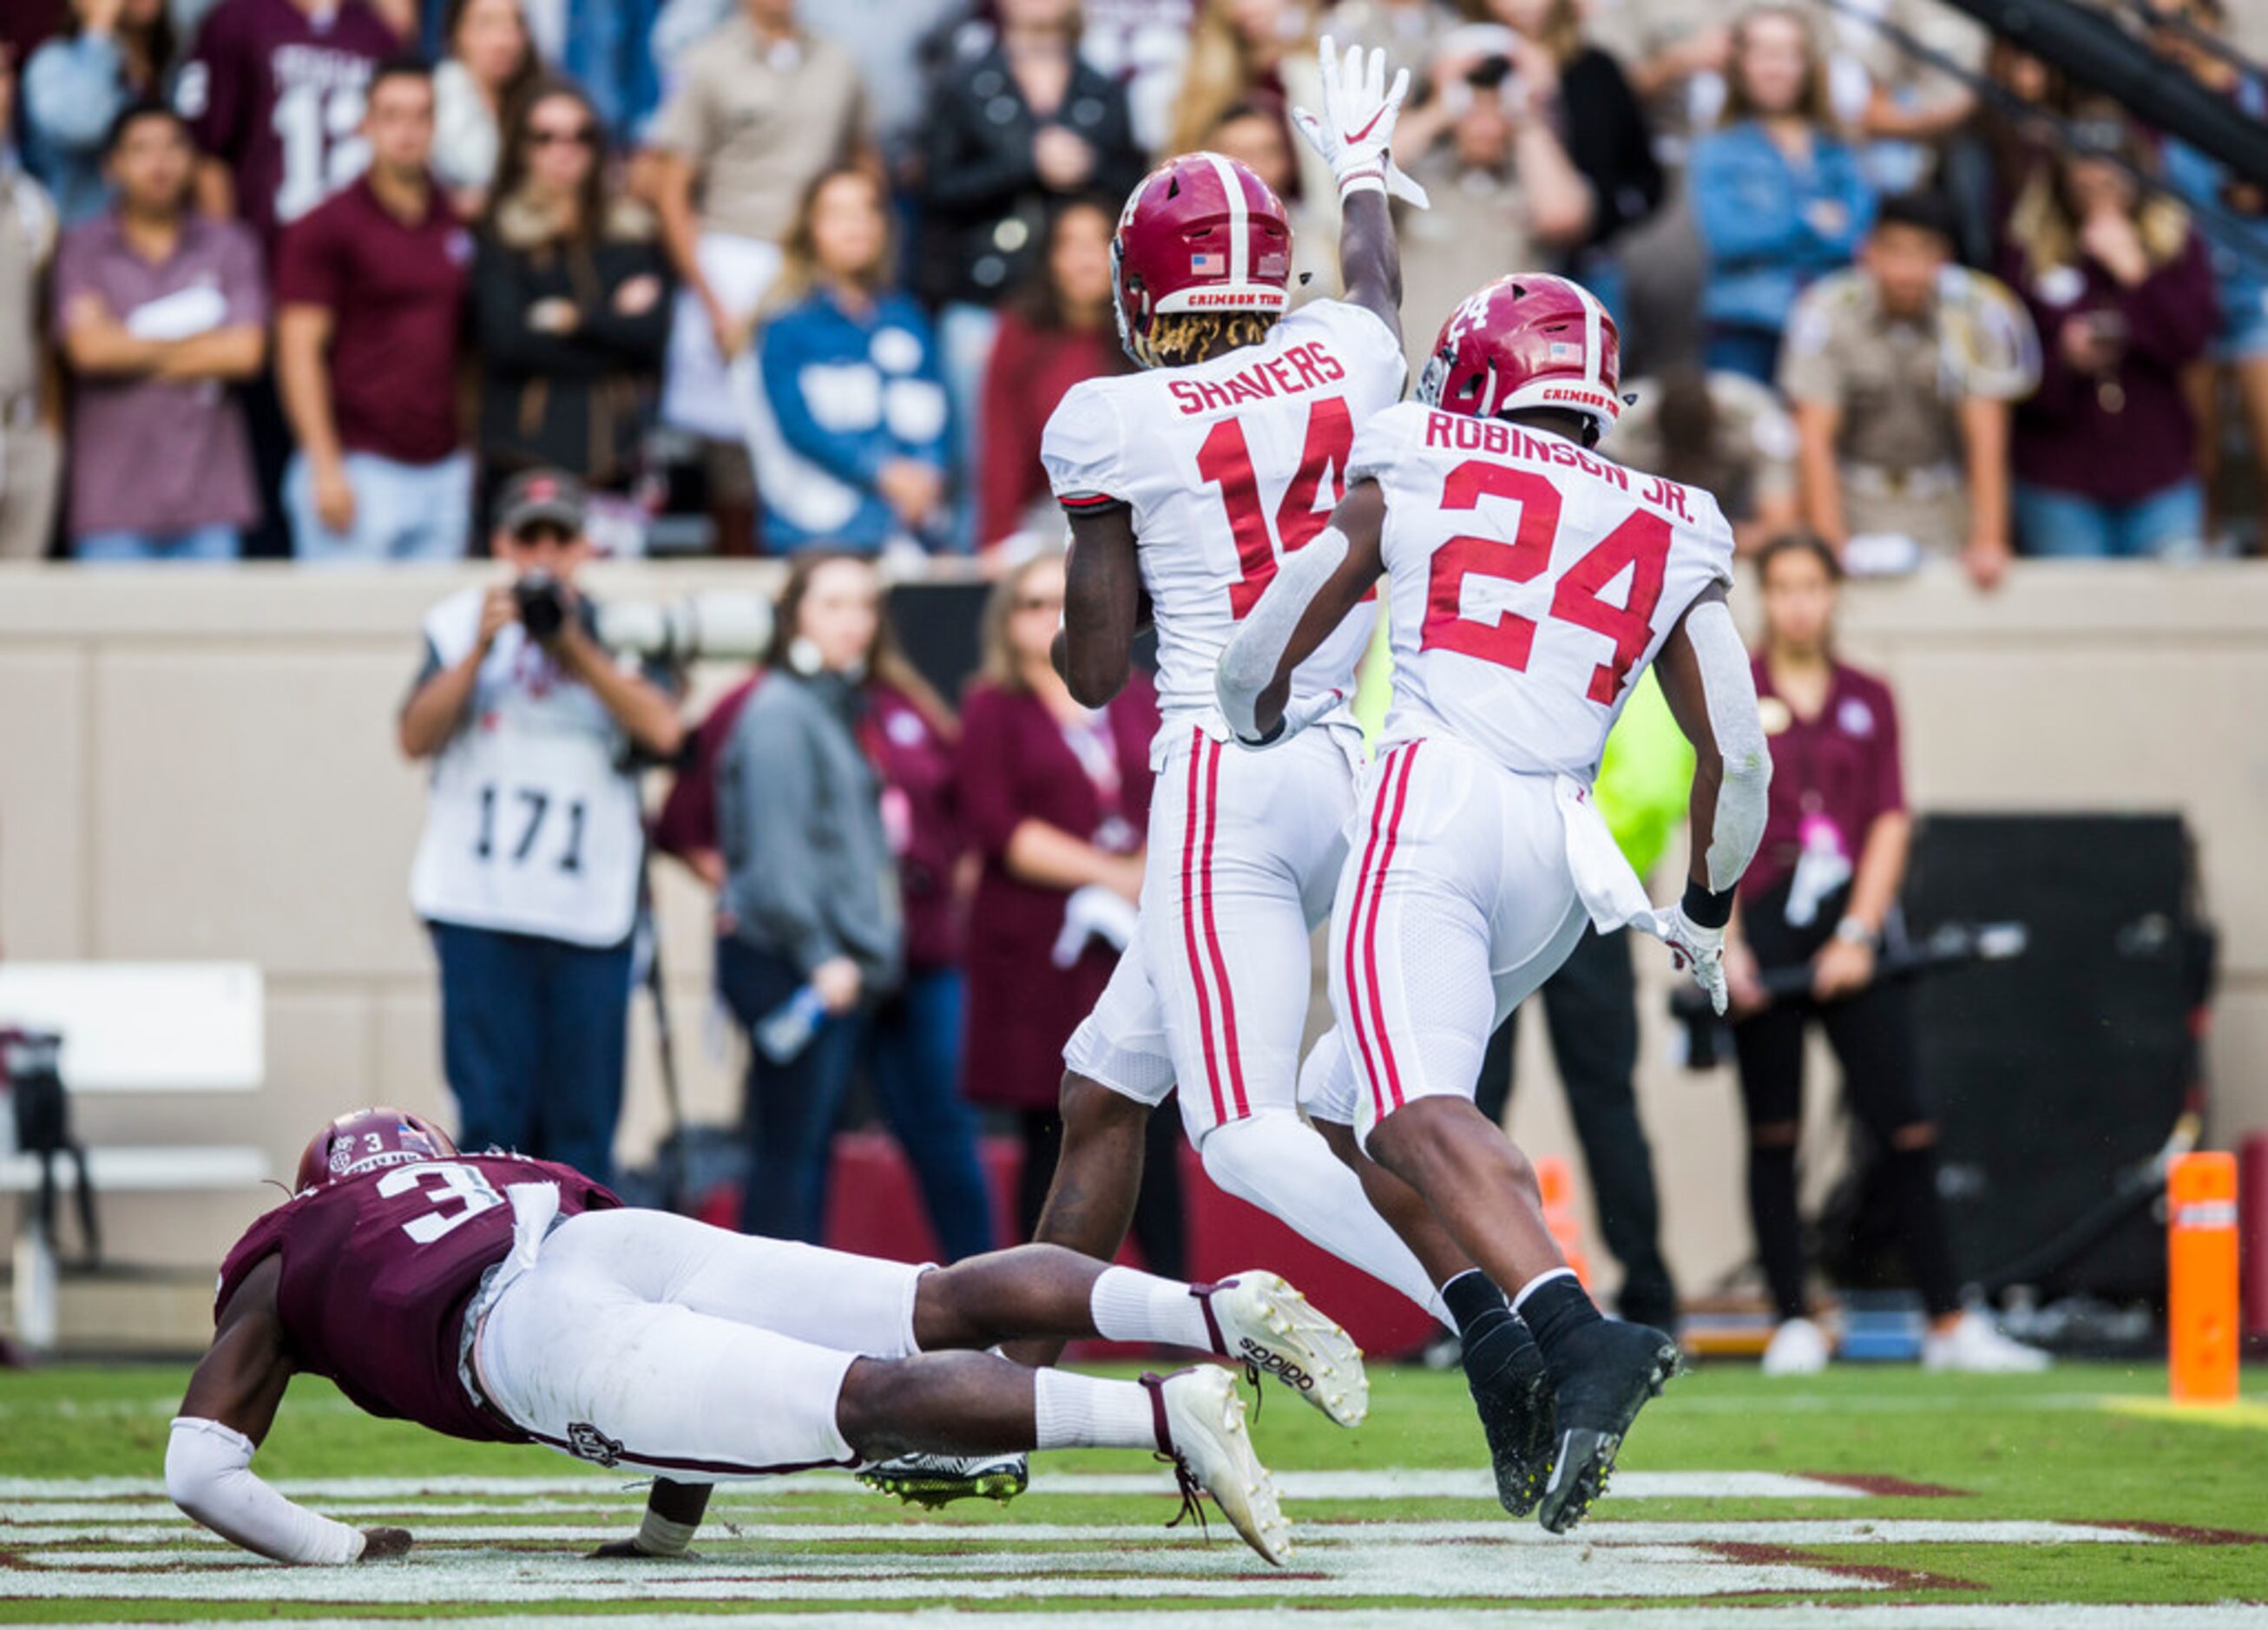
(1055,800)
(1057,333)
(1822,891)
(2121,289)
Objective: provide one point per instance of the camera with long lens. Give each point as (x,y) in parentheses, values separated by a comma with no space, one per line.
(720,625)
(541,605)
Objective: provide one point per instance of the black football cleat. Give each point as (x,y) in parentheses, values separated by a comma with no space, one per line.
(1518,1414)
(1609,1369)
(934,1480)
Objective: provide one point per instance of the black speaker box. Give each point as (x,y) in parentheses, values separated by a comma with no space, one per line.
(2055,1071)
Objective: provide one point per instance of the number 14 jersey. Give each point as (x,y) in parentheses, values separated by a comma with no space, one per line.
(1228,465)
(1530,582)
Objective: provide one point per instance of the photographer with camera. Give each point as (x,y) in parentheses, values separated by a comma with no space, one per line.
(527,871)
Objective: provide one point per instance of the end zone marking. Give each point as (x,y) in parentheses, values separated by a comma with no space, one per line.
(1886,1487)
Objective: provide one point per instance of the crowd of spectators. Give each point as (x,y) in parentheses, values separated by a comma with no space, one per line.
(813,275)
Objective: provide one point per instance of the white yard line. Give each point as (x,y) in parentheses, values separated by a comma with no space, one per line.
(1169,1564)
(31,1528)
(1379,1483)
(1868,1616)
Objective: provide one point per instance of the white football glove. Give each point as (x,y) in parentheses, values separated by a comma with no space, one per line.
(1299,713)
(1355,135)
(1695,949)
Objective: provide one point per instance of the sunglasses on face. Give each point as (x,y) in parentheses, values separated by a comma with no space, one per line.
(583,135)
(1039,602)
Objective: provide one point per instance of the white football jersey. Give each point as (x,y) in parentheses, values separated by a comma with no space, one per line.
(1228,465)
(1531,582)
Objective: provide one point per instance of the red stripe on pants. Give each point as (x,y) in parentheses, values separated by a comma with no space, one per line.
(1189,859)
(1354,928)
(1212,933)
(1370,934)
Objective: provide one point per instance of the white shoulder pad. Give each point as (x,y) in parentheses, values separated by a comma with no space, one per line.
(1083,448)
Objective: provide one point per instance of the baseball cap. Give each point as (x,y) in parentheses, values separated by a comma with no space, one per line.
(540,497)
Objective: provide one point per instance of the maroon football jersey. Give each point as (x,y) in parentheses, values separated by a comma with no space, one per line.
(276,95)
(377,1268)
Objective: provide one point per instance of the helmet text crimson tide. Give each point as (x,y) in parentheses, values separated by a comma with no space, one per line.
(1200,233)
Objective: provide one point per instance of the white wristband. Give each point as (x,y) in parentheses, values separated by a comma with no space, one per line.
(1364,180)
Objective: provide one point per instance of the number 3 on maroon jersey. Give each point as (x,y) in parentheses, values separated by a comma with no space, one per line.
(1226,461)
(1641,543)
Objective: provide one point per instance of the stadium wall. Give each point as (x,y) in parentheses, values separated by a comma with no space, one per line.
(198,765)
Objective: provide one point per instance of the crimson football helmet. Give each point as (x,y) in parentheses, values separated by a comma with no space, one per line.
(1201,233)
(1527,341)
(366,1139)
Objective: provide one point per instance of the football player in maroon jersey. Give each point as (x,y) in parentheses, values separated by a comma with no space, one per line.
(508,1300)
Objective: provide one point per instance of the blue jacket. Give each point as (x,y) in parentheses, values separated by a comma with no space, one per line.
(1769,228)
(73,91)
(848,395)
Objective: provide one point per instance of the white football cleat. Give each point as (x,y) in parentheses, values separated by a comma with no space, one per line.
(1258,1319)
(1201,1429)
(1976,1344)
(1798,1347)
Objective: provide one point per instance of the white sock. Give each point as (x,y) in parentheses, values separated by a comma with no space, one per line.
(1079,1412)
(1129,1305)
(1281,1165)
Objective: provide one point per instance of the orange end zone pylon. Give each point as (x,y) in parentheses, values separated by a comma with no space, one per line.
(2201,1315)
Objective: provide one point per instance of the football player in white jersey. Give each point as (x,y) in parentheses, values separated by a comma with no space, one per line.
(1187,485)
(1531,581)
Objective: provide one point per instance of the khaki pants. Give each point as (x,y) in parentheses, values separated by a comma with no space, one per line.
(31,476)
(1938,521)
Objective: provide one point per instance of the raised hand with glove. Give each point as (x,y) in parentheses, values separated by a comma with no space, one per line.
(1355,131)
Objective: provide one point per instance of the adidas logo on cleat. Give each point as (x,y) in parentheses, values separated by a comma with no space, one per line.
(1276,1364)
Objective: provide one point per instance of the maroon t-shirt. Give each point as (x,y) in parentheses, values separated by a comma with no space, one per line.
(276,95)
(1832,774)
(396,290)
(921,815)
(1018,764)
(378,1269)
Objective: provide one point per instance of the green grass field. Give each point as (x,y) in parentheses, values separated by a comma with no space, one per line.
(1955,1494)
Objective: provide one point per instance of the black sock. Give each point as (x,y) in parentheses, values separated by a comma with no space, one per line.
(1492,1336)
(1555,1309)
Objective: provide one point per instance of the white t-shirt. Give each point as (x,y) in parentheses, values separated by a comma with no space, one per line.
(1228,465)
(533,823)
(1531,581)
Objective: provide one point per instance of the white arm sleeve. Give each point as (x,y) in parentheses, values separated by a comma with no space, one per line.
(1731,690)
(209,1474)
(1250,663)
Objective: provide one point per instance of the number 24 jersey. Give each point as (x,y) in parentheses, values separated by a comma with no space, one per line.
(1228,465)
(1530,582)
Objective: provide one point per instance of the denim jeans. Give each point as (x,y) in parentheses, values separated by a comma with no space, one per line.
(532,1037)
(402,511)
(965,334)
(200,544)
(913,1051)
(791,1107)
(2069,526)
